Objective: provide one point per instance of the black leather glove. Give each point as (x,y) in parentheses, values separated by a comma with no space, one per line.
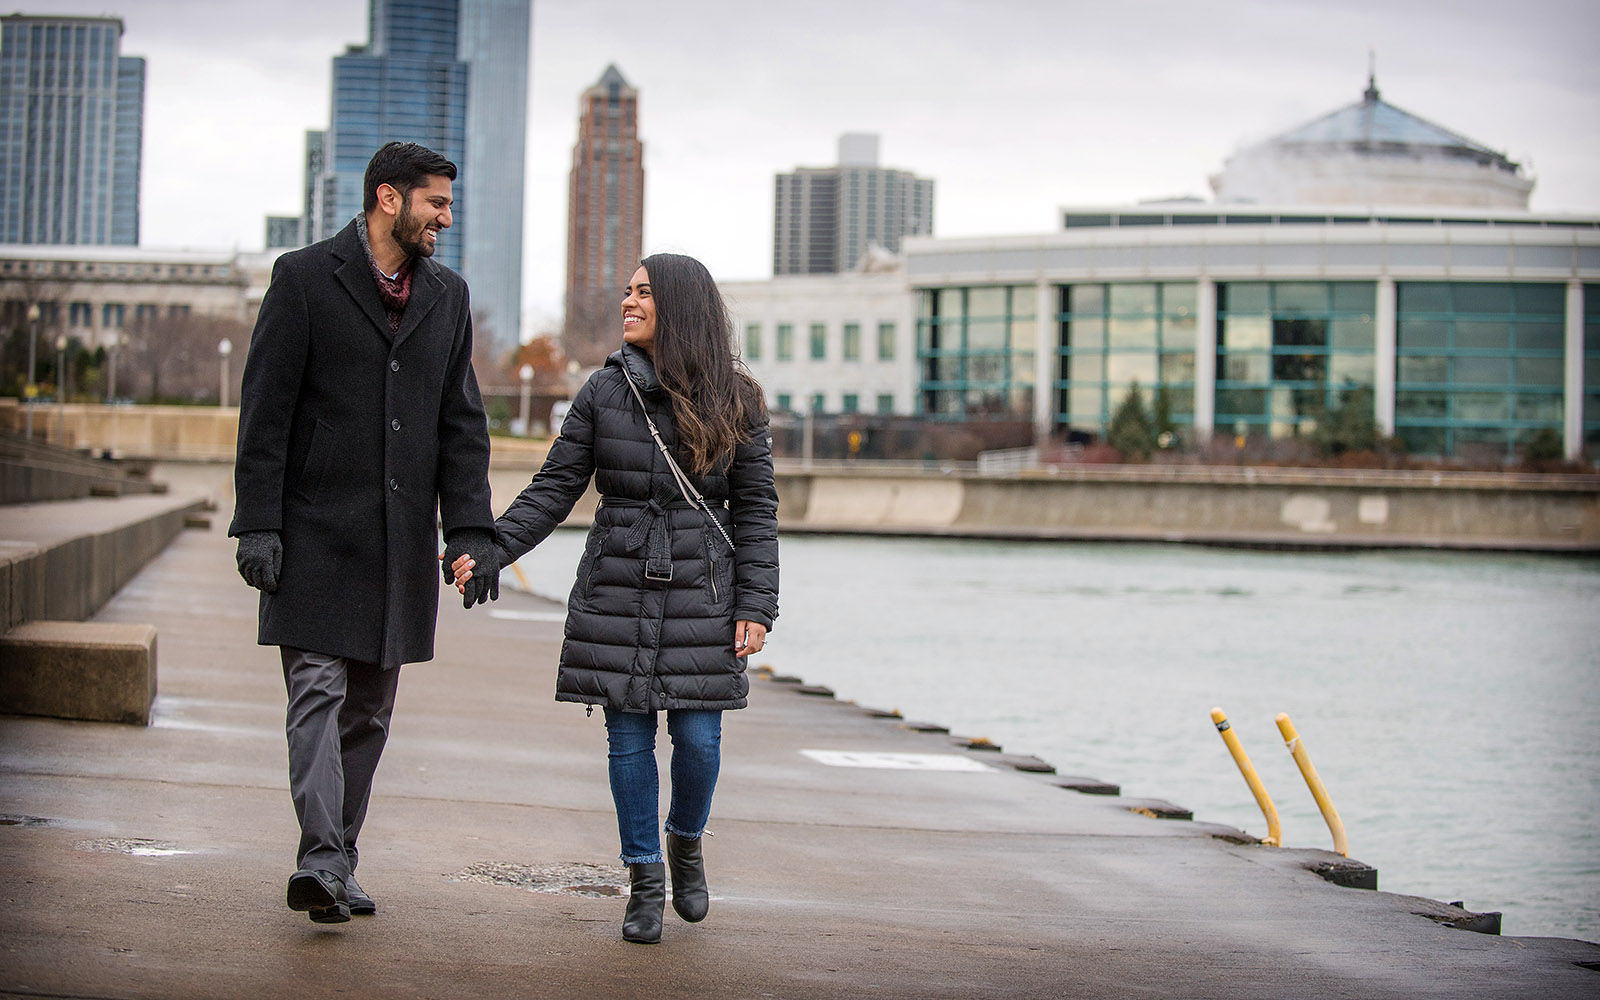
(480,545)
(260,558)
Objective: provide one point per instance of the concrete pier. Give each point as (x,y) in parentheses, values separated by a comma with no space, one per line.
(151,862)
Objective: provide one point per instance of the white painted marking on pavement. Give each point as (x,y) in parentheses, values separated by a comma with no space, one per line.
(530,616)
(896,761)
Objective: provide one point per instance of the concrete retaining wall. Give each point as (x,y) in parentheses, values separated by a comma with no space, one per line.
(50,569)
(1291,508)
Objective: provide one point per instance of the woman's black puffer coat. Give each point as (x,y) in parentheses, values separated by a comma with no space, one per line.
(650,620)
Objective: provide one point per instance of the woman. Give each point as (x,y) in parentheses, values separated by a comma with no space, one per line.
(671,597)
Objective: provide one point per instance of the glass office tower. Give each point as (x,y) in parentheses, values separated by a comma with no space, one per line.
(71,125)
(408,84)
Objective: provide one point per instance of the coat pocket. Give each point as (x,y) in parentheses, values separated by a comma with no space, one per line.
(315,469)
(592,553)
(719,570)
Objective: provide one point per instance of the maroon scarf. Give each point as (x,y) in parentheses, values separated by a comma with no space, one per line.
(395,292)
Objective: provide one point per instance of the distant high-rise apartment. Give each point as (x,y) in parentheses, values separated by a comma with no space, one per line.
(407,83)
(494,41)
(826,218)
(453,76)
(71,126)
(605,216)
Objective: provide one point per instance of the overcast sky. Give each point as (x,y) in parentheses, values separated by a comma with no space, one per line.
(1013,107)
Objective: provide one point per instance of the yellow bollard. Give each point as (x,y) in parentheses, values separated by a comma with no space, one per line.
(1330,815)
(1274,835)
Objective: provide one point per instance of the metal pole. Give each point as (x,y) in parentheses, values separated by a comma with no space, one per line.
(1330,815)
(1230,739)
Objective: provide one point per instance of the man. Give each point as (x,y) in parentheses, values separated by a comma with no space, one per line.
(359,420)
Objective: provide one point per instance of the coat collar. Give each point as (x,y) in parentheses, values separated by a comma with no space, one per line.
(356,276)
(637,364)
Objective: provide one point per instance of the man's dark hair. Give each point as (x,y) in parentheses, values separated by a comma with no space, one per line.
(402,166)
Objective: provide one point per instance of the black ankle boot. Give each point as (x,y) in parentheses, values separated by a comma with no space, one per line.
(689,896)
(647,900)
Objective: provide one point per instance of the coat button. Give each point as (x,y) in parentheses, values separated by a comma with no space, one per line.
(395,424)
(394,366)
(394,484)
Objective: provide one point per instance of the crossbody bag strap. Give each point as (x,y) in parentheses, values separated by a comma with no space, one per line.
(691,495)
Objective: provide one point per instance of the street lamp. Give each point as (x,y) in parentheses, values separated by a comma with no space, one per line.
(61,389)
(526,374)
(224,348)
(31,390)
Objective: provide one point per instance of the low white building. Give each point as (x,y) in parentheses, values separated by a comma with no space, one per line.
(94,292)
(830,343)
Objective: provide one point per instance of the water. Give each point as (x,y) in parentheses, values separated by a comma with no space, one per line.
(1451,702)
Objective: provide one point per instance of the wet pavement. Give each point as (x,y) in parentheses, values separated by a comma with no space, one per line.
(851,856)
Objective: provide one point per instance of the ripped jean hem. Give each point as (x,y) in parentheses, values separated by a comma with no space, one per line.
(643,859)
(679,833)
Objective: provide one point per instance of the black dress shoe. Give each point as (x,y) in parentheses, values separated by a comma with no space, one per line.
(361,904)
(321,895)
(689,896)
(647,900)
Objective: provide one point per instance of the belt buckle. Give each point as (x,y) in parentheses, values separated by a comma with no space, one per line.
(659,578)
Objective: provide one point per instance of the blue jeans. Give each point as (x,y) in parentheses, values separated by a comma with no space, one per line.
(635,786)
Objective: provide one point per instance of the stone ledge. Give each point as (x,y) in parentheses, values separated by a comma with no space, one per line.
(94,671)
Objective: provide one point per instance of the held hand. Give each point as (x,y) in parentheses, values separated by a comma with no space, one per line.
(471,548)
(260,559)
(461,570)
(749,638)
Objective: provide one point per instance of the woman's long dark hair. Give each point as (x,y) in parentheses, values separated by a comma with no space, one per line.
(715,402)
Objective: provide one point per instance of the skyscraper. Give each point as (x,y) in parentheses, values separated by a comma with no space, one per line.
(494,41)
(408,84)
(605,215)
(71,125)
(453,76)
(826,218)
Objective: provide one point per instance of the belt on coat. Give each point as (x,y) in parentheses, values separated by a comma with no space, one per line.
(650,533)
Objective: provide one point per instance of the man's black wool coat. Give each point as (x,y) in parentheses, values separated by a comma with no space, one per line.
(352,442)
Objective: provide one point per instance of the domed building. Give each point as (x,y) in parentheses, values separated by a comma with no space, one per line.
(1372,154)
(1368,254)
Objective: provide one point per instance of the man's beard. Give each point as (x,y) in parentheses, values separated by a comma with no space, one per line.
(408,230)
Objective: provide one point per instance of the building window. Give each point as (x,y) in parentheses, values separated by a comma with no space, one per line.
(785,401)
(1112,336)
(111,315)
(1591,370)
(145,312)
(178,311)
(850,403)
(852,342)
(1479,366)
(80,314)
(819,341)
(885,402)
(752,341)
(785,341)
(818,402)
(975,350)
(1289,351)
(885,341)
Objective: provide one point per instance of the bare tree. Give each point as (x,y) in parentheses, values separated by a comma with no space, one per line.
(175,358)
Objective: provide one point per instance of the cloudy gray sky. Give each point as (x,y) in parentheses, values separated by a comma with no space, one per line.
(1013,106)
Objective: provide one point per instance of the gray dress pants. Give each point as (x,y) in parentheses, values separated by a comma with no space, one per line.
(337,724)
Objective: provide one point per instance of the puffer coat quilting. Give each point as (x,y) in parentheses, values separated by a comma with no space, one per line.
(651,614)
